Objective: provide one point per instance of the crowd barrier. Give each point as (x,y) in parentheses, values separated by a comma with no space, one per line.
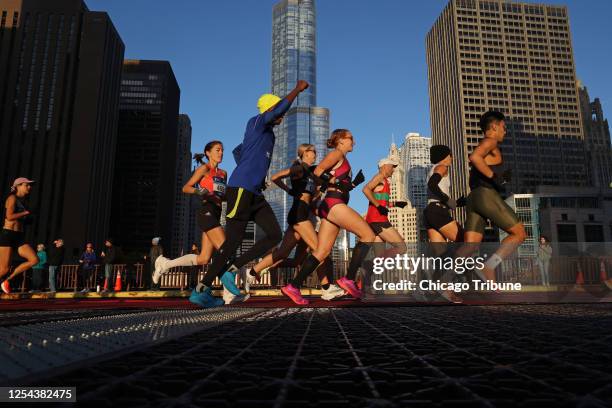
(564,270)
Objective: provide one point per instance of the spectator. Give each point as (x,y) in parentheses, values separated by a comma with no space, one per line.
(195,269)
(155,251)
(544,255)
(55,260)
(37,270)
(88,265)
(109,259)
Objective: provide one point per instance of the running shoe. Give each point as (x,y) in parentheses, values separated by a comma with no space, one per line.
(228,279)
(349,286)
(249,279)
(231,299)
(205,299)
(160,262)
(294,294)
(6,287)
(333,292)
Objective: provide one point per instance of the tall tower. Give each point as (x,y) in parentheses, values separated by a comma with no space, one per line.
(597,137)
(60,67)
(414,153)
(403,219)
(180,224)
(294,56)
(143,191)
(516,58)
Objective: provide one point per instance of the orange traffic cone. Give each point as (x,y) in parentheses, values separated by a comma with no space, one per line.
(580,277)
(118,282)
(603,276)
(105,283)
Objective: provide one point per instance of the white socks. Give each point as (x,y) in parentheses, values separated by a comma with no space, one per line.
(493,261)
(185,260)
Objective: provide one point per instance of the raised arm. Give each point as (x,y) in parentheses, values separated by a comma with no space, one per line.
(283,106)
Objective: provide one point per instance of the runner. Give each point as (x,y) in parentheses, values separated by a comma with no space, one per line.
(12,236)
(378,193)
(438,219)
(335,173)
(484,201)
(300,220)
(245,201)
(208,182)
(440,224)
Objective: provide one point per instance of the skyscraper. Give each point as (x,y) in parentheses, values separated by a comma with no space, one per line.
(180,224)
(294,57)
(145,177)
(597,137)
(516,58)
(60,67)
(403,219)
(414,154)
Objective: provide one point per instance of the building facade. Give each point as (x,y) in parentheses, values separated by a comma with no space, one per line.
(516,58)
(414,158)
(60,69)
(403,219)
(180,224)
(144,190)
(294,57)
(597,137)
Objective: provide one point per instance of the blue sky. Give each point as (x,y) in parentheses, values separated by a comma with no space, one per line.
(371,65)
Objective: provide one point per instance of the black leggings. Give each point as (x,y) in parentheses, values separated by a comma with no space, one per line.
(235,229)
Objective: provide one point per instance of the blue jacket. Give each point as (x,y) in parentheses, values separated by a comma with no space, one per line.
(254,155)
(89,260)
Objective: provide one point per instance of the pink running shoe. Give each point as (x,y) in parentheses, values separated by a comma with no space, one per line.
(349,286)
(294,294)
(6,287)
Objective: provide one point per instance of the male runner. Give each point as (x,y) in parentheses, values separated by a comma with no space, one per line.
(245,201)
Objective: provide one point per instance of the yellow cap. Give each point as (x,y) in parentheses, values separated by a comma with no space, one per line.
(266,101)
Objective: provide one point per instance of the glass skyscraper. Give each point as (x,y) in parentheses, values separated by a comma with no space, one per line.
(294,57)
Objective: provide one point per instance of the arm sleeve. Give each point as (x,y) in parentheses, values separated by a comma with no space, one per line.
(433,186)
(296,171)
(279,110)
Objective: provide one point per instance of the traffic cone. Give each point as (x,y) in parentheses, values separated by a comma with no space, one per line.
(580,277)
(603,276)
(105,283)
(118,282)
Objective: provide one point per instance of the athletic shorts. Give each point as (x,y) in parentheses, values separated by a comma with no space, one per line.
(378,227)
(208,217)
(10,238)
(485,203)
(299,212)
(331,199)
(243,204)
(437,215)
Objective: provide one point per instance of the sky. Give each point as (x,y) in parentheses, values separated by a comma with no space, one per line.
(371,68)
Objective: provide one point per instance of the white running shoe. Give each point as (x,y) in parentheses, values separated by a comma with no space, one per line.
(333,292)
(160,262)
(229,298)
(248,279)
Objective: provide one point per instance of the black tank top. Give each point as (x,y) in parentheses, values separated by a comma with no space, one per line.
(303,184)
(19,205)
(477,179)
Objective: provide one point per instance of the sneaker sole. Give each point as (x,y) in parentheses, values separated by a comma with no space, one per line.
(356,295)
(306,302)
